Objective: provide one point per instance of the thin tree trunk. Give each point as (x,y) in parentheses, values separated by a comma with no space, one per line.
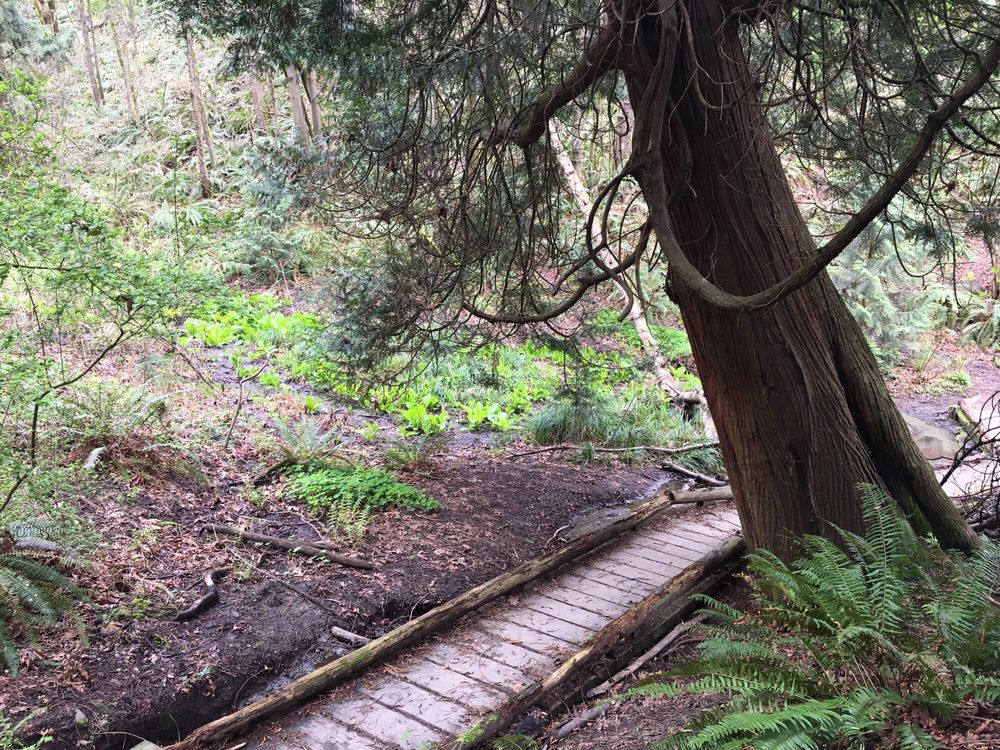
(257,96)
(802,411)
(133,29)
(312,92)
(298,111)
(200,139)
(636,313)
(89,53)
(47,14)
(131,96)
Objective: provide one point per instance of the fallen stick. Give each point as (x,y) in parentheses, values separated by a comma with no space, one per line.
(337,671)
(696,475)
(580,719)
(344,635)
(305,548)
(652,653)
(598,647)
(209,600)
(599,449)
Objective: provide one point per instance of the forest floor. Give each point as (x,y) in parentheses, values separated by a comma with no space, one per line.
(143,675)
(640,722)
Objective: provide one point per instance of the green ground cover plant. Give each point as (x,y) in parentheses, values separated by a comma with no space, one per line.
(347,496)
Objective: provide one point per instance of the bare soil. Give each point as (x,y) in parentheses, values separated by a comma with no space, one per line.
(144,675)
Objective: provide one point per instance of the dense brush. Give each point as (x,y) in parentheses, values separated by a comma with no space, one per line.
(33,592)
(847,645)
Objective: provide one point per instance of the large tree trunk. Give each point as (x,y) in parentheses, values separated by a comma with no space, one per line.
(802,411)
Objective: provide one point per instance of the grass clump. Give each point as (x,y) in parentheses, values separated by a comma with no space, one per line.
(347,496)
(849,645)
(640,417)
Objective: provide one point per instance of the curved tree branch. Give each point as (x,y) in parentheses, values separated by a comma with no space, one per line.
(687,273)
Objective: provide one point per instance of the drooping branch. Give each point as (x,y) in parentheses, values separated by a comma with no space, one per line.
(597,60)
(654,180)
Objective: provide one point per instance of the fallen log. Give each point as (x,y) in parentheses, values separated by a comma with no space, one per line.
(690,474)
(337,671)
(209,600)
(291,545)
(623,674)
(637,448)
(576,666)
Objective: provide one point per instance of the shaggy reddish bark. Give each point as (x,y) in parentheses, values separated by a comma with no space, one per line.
(802,411)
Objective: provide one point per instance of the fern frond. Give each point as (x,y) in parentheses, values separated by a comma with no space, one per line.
(911,738)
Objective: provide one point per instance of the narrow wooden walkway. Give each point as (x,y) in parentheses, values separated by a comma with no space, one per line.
(427,695)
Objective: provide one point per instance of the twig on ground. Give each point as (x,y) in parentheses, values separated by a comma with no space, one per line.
(292,545)
(579,720)
(667,640)
(696,475)
(599,449)
(209,600)
(344,635)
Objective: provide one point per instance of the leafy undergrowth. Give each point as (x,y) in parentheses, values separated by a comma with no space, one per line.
(870,646)
(34,593)
(346,496)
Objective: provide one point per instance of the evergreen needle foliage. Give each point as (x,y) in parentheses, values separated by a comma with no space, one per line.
(845,646)
(33,592)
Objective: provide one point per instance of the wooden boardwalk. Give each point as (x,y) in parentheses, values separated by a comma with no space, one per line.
(445,685)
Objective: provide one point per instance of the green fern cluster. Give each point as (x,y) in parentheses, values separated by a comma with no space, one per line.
(33,593)
(347,496)
(845,642)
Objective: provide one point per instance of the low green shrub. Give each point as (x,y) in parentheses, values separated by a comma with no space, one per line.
(10,732)
(848,646)
(305,442)
(120,420)
(346,496)
(640,416)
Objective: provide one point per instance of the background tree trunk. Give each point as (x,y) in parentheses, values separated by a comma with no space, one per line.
(257,97)
(197,110)
(802,412)
(312,92)
(90,60)
(47,13)
(298,110)
(121,50)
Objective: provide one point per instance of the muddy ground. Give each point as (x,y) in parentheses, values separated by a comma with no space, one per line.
(145,676)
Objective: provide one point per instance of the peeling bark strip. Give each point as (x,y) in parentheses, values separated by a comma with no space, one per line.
(634,309)
(339,670)
(617,631)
